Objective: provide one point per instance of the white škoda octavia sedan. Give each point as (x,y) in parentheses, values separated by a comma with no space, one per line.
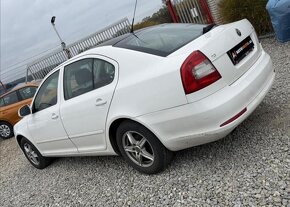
(147,94)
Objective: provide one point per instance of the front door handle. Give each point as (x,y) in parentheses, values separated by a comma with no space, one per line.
(54,116)
(100,102)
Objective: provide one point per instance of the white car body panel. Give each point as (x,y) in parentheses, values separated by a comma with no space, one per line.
(145,81)
(53,139)
(148,89)
(85,125)
(199,122)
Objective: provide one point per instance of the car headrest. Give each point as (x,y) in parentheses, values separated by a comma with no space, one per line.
(83,76)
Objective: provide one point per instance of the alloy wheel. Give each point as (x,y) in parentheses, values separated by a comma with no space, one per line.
(138,149)
(31,154)
(5,130)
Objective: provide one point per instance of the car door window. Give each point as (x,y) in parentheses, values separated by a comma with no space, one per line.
(78,78)
(27,92)
(104,73)
(10,98)
(86,75)
(47,94)
(2,102)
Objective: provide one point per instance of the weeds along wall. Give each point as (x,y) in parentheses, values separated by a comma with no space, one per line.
(254,11)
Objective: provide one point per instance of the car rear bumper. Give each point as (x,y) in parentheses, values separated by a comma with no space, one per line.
(200,122)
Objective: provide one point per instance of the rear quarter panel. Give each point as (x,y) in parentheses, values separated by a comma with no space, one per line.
(147,83)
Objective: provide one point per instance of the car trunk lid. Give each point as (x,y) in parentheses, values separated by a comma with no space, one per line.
(234,50)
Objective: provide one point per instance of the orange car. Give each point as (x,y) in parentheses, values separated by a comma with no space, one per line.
(10,102)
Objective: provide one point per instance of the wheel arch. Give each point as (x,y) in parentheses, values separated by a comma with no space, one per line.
(19,138)
(3,120)
(113,131)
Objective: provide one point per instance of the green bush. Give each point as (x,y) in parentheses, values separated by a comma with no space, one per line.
(159,17)
(254,11)
(144,24)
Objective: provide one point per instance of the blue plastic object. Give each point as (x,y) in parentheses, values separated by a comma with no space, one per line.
(279,11)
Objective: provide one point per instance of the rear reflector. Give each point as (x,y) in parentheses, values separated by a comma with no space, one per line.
(197,72)
(234,117)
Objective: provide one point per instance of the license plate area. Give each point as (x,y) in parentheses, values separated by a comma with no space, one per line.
(240,51)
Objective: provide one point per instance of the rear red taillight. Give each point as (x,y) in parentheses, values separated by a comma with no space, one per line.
(198,72)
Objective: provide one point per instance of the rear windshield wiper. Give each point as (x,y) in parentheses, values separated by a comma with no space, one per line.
(208,28)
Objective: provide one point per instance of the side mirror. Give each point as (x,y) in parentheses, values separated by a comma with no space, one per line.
(24,111)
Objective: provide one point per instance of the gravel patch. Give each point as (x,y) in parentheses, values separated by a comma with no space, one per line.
(250,167)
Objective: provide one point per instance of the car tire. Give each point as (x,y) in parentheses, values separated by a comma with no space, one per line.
(142,149)
(33,155)
(6,130)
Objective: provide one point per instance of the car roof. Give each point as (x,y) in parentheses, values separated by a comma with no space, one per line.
(116,44)
(114,41)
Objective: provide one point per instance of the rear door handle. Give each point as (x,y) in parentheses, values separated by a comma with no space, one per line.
(54,116)
(100,102)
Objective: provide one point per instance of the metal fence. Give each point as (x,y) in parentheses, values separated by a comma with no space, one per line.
(40,67)
(193,11)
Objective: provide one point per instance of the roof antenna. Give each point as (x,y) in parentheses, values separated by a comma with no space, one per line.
(132,26)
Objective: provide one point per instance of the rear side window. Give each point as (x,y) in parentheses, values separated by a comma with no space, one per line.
(103,72)
(27,92)
(10,98)
(162,40)
(86,75)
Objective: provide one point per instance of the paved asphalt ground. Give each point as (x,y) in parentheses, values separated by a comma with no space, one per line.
(250,167)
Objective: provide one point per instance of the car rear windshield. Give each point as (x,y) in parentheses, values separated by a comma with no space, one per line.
(162,40)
